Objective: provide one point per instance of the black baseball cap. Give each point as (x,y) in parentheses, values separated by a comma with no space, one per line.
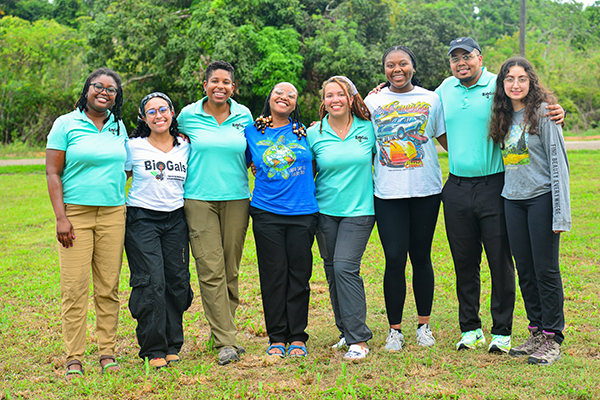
(465,43)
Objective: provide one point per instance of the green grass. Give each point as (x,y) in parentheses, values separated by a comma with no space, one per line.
(32,362)
(19,150)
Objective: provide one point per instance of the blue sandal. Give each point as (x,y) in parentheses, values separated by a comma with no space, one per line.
(294,347)
(277,347)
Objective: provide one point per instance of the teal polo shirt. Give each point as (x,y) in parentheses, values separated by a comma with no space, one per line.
(467,112)
(94,170)
(217,164)
(344,169)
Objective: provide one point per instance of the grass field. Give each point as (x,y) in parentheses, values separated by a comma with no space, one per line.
(32,362)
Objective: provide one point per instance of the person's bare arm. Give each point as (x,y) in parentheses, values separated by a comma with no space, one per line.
(556,113)
(443,141)
(55,163)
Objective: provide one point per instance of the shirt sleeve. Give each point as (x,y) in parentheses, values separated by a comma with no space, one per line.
(57,138)
(129,160)
(556,152)
(439,123)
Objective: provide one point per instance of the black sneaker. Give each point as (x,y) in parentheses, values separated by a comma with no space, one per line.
(227,355)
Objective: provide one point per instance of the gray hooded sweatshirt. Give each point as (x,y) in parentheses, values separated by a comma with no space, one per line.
(537,164)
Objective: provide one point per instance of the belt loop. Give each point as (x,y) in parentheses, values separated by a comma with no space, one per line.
(486,180)
(458,180)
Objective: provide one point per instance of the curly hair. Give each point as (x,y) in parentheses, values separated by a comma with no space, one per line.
(143,130)
(502,108)
(216,65)
(295,116)
(415,81)
(116,108)
(358,108)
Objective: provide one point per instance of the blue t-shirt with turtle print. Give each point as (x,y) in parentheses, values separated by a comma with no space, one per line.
(284,181)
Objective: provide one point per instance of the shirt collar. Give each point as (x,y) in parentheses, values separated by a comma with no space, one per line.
(234,107)
(484,79)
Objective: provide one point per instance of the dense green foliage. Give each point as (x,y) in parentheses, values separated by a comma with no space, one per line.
(48,48)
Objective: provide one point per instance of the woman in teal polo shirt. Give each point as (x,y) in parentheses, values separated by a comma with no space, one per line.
(343,144)
(85,169)
(217,200)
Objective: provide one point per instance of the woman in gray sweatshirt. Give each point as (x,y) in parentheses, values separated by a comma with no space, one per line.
(537,205)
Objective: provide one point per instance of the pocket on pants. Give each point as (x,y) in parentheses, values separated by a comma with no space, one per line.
(140,300)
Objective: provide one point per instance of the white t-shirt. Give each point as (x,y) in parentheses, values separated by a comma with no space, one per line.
(158,177)
(406,163)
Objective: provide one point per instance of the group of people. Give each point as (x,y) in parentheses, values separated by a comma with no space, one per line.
(364,161)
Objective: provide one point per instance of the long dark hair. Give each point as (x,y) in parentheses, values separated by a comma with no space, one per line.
(502,108)
(295,116)
(358,108)
(415,81)
(116,108)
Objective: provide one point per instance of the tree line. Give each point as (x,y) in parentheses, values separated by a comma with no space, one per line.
(48,48)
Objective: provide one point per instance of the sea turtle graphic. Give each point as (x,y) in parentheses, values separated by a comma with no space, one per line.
(278,157)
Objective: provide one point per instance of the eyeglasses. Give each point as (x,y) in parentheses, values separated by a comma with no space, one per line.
(152,112)
(111,91)
(464,57)
(290,95)
(510,80)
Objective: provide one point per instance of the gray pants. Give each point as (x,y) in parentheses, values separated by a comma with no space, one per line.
(342,242)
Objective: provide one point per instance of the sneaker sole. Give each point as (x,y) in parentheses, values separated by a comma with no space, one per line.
(497,350)
(463,346)
(514,353)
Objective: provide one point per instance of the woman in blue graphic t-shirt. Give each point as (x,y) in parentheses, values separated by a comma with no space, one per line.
(284,218)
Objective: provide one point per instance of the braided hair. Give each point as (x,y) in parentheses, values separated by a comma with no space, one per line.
(358,108)
(265,119)
(116,108)
(143,130)
(415,81)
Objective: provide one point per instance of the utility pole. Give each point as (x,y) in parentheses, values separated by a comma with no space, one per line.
(522,19)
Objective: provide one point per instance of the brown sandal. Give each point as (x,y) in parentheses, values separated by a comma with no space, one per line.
(73,373)
(110,366)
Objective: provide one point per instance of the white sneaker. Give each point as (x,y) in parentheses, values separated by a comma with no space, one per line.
(499,344)
(356,353)
(425,336)
(341,345)
(394,341)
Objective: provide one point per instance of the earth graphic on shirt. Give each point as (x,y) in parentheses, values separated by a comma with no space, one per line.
(279,156)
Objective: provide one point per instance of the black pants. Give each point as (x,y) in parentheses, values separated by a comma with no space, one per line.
(406,226)
(474,214)
(157,249)
(283,249)
(535,248)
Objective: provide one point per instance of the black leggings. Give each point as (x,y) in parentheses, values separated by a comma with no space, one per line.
(407,226)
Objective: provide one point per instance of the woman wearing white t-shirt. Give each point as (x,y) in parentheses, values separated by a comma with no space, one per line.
(156,239)
(408,185)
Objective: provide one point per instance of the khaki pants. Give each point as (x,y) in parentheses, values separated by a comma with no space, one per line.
(217,233)
(98,246)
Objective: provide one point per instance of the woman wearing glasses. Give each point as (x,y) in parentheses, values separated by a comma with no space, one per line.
(156,238)
(536,202)
(284,218)
(216,200)
(85,159)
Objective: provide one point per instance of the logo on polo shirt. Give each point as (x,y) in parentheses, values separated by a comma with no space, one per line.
(487,95)
(238,126)
(361,138)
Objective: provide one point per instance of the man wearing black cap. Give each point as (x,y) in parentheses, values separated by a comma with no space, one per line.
(473,207)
